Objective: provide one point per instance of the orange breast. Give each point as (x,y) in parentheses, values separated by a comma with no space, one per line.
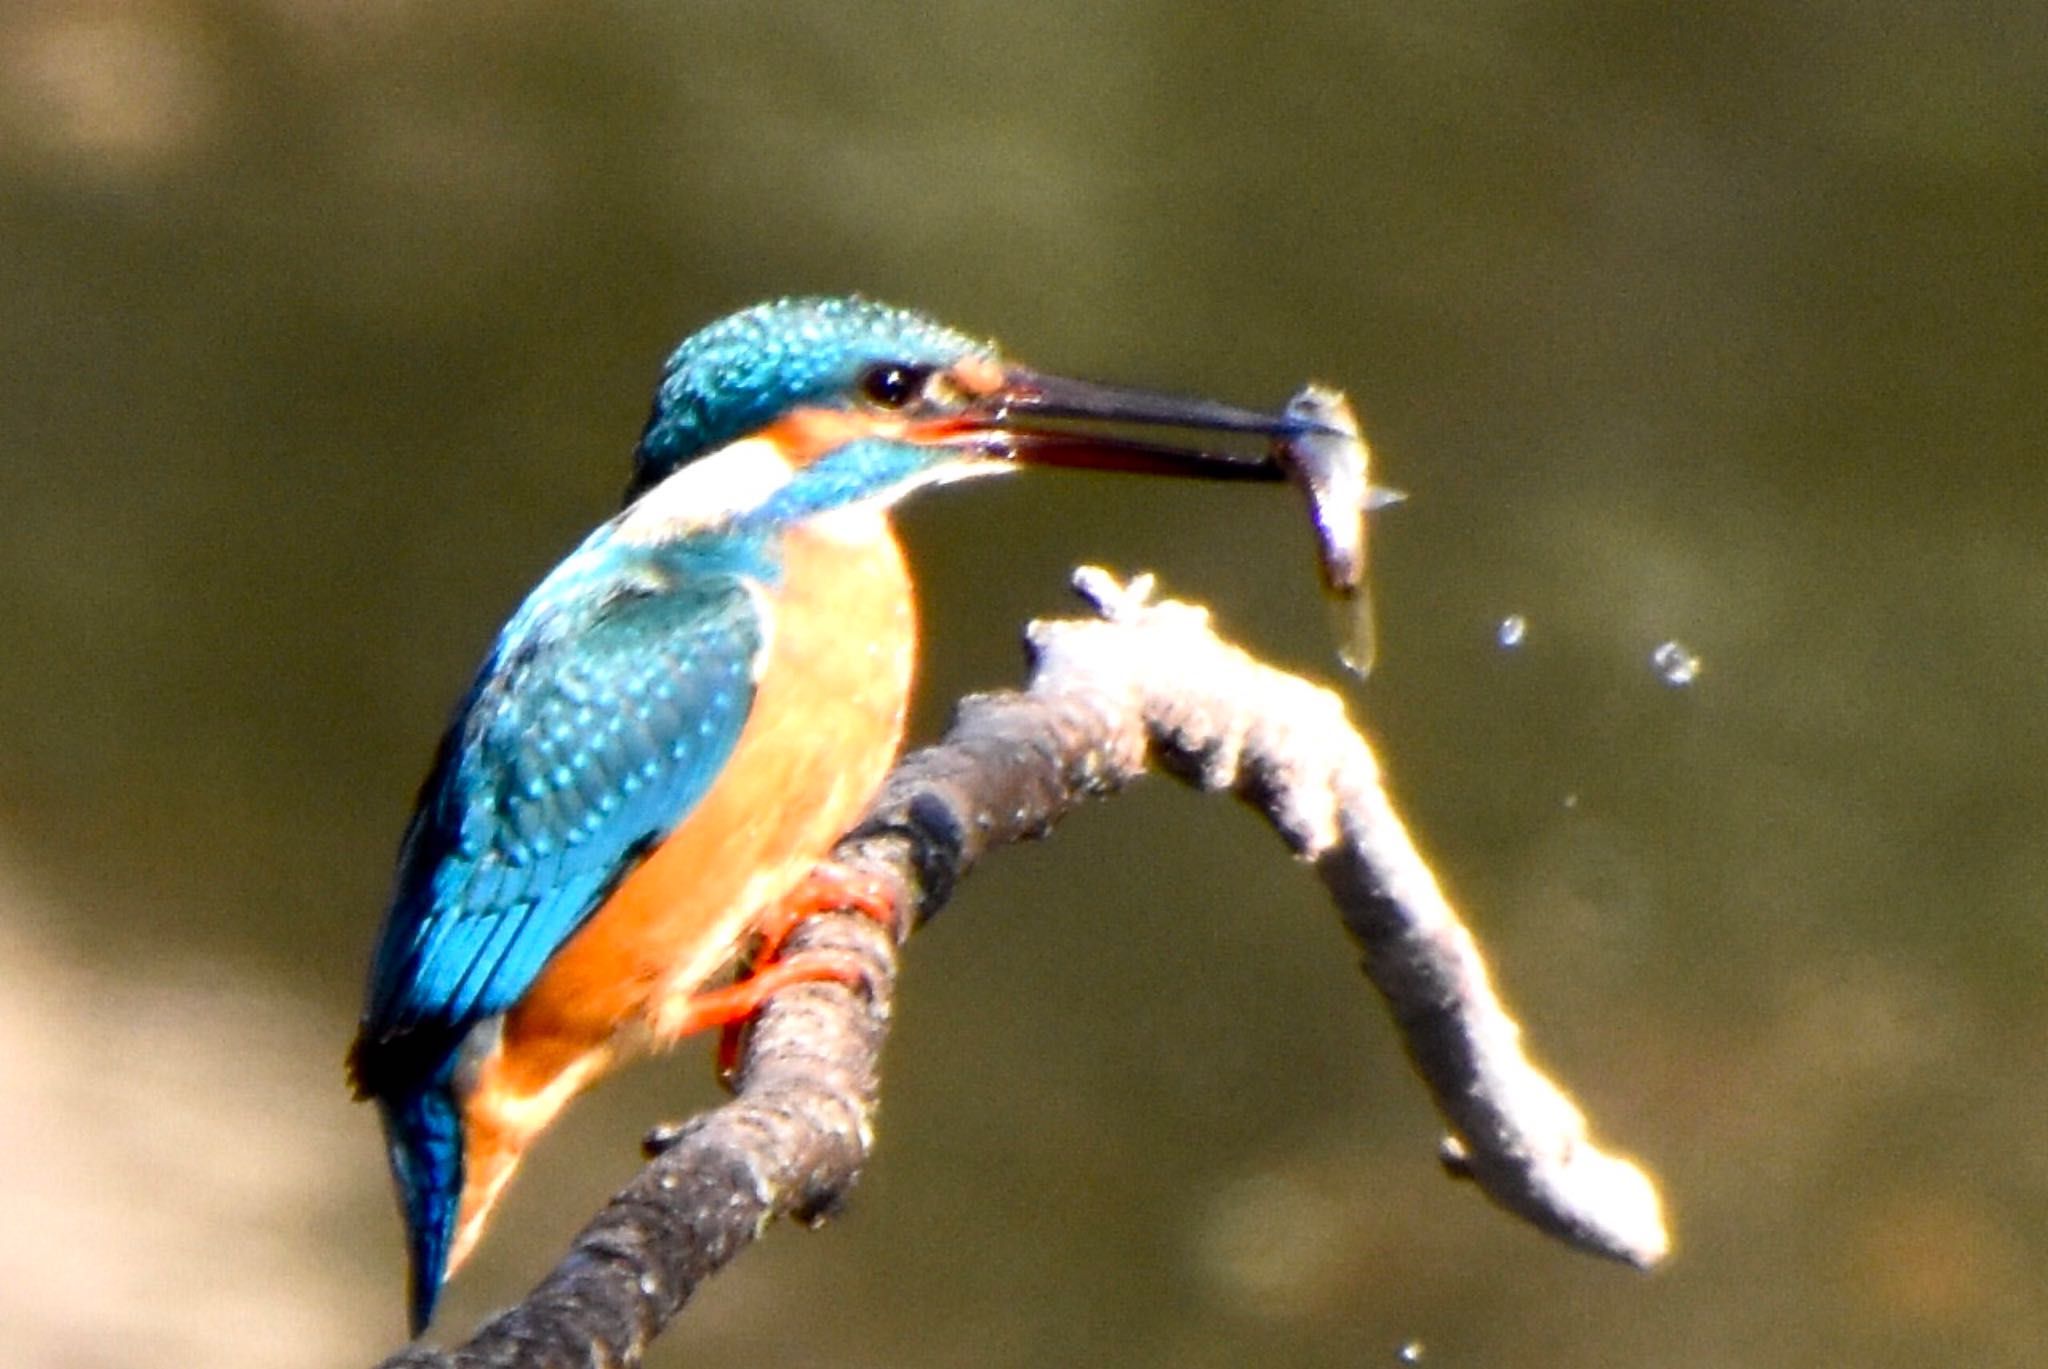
(825,726)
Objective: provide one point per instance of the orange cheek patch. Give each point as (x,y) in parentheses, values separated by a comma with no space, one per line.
(804,435)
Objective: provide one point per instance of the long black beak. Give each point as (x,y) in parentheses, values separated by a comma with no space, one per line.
(1052,421)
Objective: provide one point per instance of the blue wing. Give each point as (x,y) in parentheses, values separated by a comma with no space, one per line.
(610,705)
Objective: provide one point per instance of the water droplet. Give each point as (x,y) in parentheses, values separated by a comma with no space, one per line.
(1675,665)
(1512,632)
(1411,1352)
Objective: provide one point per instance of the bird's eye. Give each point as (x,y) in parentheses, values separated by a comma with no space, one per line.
(892,385)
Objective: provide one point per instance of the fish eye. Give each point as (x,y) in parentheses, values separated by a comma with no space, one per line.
(893,385)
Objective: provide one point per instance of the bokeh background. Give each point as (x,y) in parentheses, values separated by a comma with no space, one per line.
(326,325)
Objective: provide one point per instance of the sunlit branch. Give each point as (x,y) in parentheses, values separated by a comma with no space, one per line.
(1142,684)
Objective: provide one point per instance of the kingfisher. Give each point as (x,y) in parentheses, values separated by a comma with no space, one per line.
(669,734)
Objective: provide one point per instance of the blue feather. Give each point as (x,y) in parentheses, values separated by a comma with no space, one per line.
(612,701)
(594,728)
(424,1132)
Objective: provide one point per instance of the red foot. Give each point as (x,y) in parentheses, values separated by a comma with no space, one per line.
(829,888)
(730,1006)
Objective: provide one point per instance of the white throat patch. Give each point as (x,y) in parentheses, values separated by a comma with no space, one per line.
(737,478)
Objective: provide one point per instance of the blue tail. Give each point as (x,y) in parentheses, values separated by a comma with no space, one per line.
(423,1129)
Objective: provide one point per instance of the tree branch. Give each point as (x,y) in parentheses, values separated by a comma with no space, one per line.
(1141,683)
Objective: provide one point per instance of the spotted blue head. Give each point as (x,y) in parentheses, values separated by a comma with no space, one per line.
(737,376)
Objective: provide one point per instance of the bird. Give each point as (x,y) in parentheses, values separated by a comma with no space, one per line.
(670,732)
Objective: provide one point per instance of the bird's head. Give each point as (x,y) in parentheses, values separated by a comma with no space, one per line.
(866,402)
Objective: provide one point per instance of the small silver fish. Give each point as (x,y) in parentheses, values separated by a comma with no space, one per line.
(1332,467)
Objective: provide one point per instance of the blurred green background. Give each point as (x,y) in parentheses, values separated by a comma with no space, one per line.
(328,325)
